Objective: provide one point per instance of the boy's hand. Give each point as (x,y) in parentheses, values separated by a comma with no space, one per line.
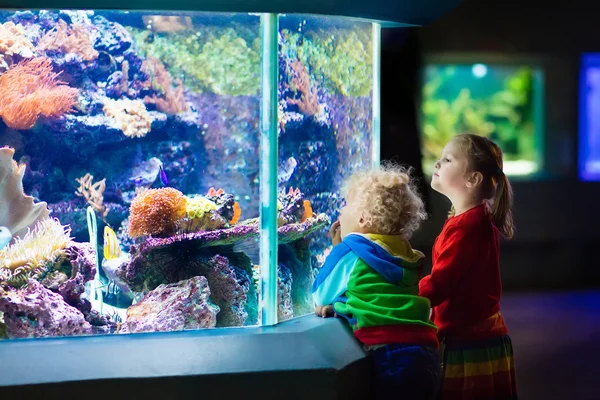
(336,233)
(324,311)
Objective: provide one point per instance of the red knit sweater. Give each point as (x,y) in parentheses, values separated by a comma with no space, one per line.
(464,286)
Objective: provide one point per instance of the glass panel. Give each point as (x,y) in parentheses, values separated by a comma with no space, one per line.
(325,133)
(502,102)
(589,119)
(142,129)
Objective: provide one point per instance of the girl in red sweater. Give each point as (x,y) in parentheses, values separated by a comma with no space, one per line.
(465,286)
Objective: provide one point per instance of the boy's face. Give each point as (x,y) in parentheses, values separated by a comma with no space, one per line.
(350,216)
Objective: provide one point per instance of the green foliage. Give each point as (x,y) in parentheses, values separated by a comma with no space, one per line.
(224,61)
(339,60)
(505,115)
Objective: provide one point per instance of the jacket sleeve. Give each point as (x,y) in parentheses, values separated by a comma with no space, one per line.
(332,281)
(458,252)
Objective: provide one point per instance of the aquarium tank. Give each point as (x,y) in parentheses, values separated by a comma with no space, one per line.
(503,102)
(151,163)
(589,118)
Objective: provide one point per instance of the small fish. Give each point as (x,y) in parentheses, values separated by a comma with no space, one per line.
(5,237)
(112,247)
(145,173)
(237,213)
(163,176)
(308,212)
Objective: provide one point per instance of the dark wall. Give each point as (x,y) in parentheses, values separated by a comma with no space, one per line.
(558,218)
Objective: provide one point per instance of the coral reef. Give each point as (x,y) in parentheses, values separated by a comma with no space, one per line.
(34,311)
(177,105)
(173,307)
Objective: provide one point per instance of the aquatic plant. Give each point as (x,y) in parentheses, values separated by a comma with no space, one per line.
(339,59)
(30,255)
(156,212)
(130,116)
(18,212)
(31,89)
(216,60)
(503,115)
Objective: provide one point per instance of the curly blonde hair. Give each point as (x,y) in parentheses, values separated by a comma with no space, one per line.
(388,198)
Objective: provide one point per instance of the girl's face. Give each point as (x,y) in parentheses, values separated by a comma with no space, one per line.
(350,216)
(450,176)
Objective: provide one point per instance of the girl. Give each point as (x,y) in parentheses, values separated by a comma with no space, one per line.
(371,278)
(464,286)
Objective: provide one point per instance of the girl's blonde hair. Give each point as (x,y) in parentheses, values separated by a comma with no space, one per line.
(485,156)
(388,198)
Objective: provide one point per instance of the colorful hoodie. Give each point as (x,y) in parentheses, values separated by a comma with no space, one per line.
(373,282)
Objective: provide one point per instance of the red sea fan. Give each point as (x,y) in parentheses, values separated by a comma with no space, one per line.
(31,89)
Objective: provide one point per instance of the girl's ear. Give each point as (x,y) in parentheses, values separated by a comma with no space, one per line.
(475,179)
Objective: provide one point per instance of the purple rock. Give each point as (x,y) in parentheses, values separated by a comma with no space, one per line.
(285,305)
(229,287)
(34,311)
(173,307)
(113,37)
(114,87)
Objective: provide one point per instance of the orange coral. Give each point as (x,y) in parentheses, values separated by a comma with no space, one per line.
(213,193)
(156,212)
(31,88)
(172,100)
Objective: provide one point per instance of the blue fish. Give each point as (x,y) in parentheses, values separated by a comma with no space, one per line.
(5,237)
(163,176)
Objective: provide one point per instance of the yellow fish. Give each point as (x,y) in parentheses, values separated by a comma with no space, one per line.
(112,247)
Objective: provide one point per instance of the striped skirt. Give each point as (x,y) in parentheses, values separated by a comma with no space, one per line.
(484,370)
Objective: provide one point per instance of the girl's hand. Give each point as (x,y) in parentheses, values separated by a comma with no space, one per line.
(336,233)
(324,311)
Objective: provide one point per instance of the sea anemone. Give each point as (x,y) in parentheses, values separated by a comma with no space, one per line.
(30,255)
(156,212)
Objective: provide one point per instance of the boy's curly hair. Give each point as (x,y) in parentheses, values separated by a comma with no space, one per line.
(389,199)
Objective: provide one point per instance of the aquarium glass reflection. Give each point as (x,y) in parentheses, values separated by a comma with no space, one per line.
(589,118)
(501,102)
(325,133)
(136,136)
